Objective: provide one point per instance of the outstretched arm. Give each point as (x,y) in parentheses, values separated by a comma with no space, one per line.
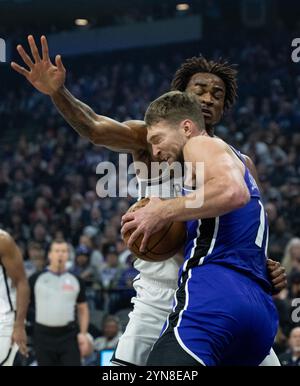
(49,79)
(128,136)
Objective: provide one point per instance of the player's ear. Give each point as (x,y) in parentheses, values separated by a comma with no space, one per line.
(188,127)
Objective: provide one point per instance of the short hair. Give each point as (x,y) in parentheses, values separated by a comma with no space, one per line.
(221,68)
(33,245)
(58,241)
(112,318)
(174,106)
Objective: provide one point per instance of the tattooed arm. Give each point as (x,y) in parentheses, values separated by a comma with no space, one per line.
(128,136)
(49,79)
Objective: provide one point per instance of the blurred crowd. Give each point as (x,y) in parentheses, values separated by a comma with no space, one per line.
(48,173)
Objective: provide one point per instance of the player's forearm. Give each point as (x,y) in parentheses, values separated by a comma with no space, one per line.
(80,116)
(214,200)
(23,291)
(83,319)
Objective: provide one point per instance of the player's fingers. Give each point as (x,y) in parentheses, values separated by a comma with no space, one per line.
(272,262)
(23,348)
(127,217)
(59,63)
(34,49)
(279,279)
(127,226)
(273,267)
(45,48)
(144,242)
(277,272)
(279,287)
(26,58)
(19,69)
(134,236)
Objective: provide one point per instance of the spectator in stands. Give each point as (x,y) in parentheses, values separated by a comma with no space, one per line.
(292,356)
(20,230)
(111,334)
(294,285)
(36,259)
(291,260)
(96,258)
(17,206)
(123,252)
(20,185)
(111,271)
(126,284)
(41,211)
(110,234)
(279,237)
(82,267)
(96,220)
(78,216)
(40,235)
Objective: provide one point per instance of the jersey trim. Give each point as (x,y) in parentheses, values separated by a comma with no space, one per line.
(7,287)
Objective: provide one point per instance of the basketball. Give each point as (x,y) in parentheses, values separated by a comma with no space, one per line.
(161,245)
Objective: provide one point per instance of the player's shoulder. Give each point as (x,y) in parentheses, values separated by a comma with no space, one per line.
(6,239)
(4,235)
(201,140)
(204,144)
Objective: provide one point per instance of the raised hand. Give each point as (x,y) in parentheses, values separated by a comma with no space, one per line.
(42,74)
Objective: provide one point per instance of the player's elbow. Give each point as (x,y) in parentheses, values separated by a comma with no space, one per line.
(96,133)
(237,197)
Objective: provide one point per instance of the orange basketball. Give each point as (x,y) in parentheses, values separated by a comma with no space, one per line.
(161,245)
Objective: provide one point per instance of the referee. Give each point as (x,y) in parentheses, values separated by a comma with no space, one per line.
(57,294)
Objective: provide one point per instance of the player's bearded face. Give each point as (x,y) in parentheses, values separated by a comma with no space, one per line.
(166,141)
(210,91)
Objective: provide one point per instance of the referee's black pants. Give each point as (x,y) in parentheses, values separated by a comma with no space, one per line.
(56,346)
